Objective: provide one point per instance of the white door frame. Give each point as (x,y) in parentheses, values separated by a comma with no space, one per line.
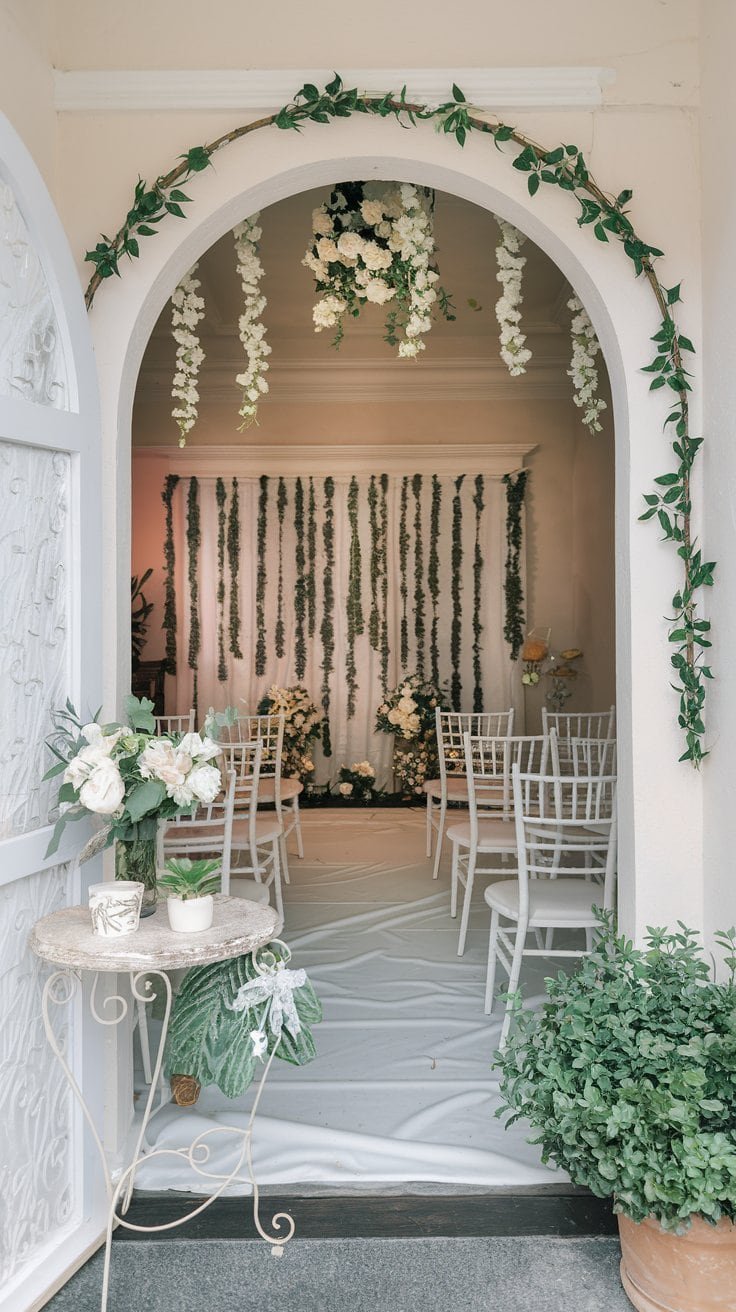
(53,1250)
(661,875)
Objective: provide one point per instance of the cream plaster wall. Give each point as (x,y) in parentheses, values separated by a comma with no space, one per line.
(26,78)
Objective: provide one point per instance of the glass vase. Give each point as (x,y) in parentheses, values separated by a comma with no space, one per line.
(135,858)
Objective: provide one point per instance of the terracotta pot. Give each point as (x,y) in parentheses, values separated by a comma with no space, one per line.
(693,1272)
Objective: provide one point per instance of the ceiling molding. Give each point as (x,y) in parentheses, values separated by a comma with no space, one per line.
(95,90)
(491,459)
(343,382)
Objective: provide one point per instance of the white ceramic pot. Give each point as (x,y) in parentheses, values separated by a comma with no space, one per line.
(115,907)
(190,915)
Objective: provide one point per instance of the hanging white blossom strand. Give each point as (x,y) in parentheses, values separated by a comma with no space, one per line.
(583,370)
(514,352)
(250,328)
(187,308)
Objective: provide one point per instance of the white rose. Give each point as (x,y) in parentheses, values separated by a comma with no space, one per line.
(394,715)
(81,766)
(378,292)
(383,709)
(327,251)
(407,705)
(200,749)
(104,790)
(321,221)
(350,244)
(161,760)
(375,257)
(204,782)
(372,211)
(346,789)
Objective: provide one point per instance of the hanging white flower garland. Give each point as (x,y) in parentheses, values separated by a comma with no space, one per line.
(514,353)
(583,370)
(374,242)
(187,308)
(251,330)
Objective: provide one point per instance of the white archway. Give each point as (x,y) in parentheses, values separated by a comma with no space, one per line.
(660,803)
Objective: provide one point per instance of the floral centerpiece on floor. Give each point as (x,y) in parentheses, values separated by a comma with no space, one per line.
(409,714)
(302,725)
(132,778)
(374,242)
(357,781)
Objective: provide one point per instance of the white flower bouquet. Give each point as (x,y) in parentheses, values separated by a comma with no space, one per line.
(303,721)
(357,782)
(373,242)
(409,711)
(413,764)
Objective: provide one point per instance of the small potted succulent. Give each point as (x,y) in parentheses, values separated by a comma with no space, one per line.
(627,1076)
(190,885)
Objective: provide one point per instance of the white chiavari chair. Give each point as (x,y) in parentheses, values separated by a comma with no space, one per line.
(256,839)
(274,789)
(168,724)
(451,727)
(489,830)
(578,724)
(551,890)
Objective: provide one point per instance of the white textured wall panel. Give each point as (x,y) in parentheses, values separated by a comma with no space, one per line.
(32,365)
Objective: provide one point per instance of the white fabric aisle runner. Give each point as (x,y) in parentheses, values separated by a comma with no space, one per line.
(401,1089)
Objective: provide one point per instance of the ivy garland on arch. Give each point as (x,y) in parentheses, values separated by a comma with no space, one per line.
(565,167)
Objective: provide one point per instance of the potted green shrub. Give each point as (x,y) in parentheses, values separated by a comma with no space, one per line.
(627,1075)
(190,885)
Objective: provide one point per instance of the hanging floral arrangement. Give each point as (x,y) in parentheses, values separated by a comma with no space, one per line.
(409,710)
(583,369)
(373,242)
(187,309)
(251,329)
(514,351)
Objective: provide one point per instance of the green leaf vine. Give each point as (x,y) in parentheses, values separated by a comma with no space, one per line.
(433,578)
(260,657)
(385,652)
(456,560)
(300,585)
(281,504)
(327,629)
(563,167)
(374,619)
(355,620)
(478,562)
(220,497)
(169,619)
(419,630)
(311,582)
(194,540)
(403,586)
(233,560)
(515,619)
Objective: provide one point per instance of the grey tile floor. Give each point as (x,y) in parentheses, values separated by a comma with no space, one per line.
(356,1275)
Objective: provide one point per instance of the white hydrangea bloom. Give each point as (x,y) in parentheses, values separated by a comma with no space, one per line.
(187,308)
(251,330)
(583,370)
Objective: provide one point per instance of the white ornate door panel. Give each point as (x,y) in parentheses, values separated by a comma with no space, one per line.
(52,1211)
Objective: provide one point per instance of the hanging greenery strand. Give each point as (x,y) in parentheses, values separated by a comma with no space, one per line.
(194,538)
(311,587)
(260,658)
(385,649)
(233,560)
(355,621)
(374,620)
(300,584)
(281,504)
(403,589)
(433,577)
(169,620)
(456,561)
(220,496)
(327,631)
(513,629)
(479,504)
(416,487)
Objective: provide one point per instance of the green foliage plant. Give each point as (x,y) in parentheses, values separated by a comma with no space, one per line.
(608,217)
(514,620)
(140,613)
(187,879)
(627,1076)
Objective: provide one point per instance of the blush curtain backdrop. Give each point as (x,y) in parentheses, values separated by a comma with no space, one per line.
(353,738)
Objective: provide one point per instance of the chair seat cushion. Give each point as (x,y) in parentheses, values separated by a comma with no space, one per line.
(290,788)
(457,788)
(493,835)
(267,829)
(552,902)
(250,890)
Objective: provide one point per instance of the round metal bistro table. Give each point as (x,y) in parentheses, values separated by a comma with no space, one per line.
(65,940)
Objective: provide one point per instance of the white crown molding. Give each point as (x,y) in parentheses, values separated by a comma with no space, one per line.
(491,459)
(324,382)
(93,90)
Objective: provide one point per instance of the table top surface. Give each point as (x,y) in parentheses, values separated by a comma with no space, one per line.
(65,938)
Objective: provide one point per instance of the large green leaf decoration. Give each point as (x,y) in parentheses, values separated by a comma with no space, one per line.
(210,1041)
